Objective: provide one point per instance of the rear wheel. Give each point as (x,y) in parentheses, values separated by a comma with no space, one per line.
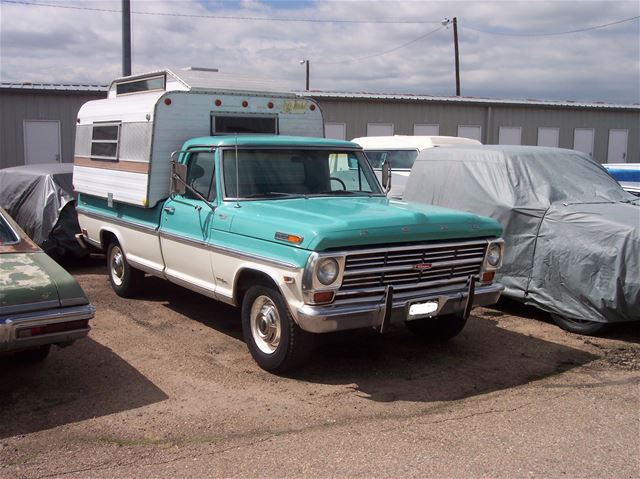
(579,326)
(438,329)
(34,355)
(274,339)
(125,280)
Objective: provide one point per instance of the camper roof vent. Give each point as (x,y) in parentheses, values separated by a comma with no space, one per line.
(201,69)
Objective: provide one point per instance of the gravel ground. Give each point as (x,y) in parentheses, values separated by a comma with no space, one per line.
(165,387)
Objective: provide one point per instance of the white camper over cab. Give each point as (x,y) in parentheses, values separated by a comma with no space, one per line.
(124,142)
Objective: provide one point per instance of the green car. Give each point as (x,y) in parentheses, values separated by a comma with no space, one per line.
(40,303)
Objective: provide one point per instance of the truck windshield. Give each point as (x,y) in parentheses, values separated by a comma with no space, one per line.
(282,173)
(398,159)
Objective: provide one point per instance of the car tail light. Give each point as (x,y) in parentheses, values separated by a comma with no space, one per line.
(52,328)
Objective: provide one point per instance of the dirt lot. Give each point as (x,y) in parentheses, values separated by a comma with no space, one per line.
(165,387)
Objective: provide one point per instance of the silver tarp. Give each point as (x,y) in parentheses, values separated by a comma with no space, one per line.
(572,235)
(40,199)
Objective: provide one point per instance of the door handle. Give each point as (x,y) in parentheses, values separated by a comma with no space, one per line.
(169,209)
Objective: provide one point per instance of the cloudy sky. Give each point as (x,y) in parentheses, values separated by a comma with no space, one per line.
(508,49)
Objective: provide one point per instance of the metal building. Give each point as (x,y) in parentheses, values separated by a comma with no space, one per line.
(610,133)
(37,121)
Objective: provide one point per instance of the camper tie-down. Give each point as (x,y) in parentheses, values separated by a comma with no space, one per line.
(294,230)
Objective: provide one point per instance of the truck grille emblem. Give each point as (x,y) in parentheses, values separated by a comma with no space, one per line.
(423,266)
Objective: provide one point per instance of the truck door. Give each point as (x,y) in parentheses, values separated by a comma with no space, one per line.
(185,227)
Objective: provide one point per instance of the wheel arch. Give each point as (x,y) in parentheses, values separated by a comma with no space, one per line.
(247,277)
(107,236)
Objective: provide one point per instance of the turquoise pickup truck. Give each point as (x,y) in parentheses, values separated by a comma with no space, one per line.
(299,233)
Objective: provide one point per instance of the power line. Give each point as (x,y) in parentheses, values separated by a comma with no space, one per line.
(224,17)
(367,57)
(320,20)
(567,32)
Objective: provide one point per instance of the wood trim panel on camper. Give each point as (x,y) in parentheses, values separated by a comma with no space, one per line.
(129,166)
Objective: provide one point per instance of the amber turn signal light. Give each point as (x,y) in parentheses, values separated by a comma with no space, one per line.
(323,297)
(488,277)
(288,238)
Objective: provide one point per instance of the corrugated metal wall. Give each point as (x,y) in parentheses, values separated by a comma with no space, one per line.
(16,106)
(19,105)
(356,113)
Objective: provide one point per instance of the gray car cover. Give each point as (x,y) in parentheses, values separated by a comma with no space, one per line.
(40,199)
(572,234)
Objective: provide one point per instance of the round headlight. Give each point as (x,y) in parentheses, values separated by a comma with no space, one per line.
(493,255)
(327,271)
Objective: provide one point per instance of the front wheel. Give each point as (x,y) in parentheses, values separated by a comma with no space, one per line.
(579,326)
(125,280)
(438,329)
(274,339)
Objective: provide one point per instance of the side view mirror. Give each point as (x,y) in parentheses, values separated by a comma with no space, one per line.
(178,179)
(386,176)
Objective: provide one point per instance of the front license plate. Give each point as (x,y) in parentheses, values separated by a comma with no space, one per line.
(423,309)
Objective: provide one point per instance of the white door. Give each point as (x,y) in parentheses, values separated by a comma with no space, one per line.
(426,130)
(617,146)
(473,132)
(509,135)
(379,129)
(583,140)
(548,136)
(335,131)
(41,141)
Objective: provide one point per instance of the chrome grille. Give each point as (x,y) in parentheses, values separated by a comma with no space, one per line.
(398,266)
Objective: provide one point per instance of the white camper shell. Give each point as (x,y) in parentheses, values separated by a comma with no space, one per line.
(401,152)
(124,142)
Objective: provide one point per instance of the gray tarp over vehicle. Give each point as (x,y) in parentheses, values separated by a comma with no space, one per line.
(40,199)
(572,235)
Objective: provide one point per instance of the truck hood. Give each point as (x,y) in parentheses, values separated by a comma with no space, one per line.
(329,223)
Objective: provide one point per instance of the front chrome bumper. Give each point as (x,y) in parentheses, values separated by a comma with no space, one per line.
(10,325)
(335,317)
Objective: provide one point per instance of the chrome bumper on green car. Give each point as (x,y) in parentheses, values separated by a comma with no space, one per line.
(390,309)
(52,326)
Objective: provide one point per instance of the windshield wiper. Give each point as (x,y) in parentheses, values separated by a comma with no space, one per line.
(344,192)
(275,194)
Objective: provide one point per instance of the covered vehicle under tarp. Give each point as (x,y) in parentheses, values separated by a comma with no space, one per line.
(40,198)
(572,234)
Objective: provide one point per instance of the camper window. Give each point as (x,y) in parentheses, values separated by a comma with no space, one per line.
(104,141)
(221,125)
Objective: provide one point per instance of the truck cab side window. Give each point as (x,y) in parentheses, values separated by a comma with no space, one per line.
(201,175)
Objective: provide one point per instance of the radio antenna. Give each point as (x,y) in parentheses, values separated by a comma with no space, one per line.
(237,176)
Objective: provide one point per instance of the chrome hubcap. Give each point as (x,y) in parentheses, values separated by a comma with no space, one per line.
(265,324)
(117,265)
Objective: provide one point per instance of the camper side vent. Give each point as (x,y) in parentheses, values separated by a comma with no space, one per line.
(135,141)
(83,140)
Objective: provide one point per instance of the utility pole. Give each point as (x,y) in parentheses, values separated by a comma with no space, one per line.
(445,23)
(306,62)
(455,42)
(126,38)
